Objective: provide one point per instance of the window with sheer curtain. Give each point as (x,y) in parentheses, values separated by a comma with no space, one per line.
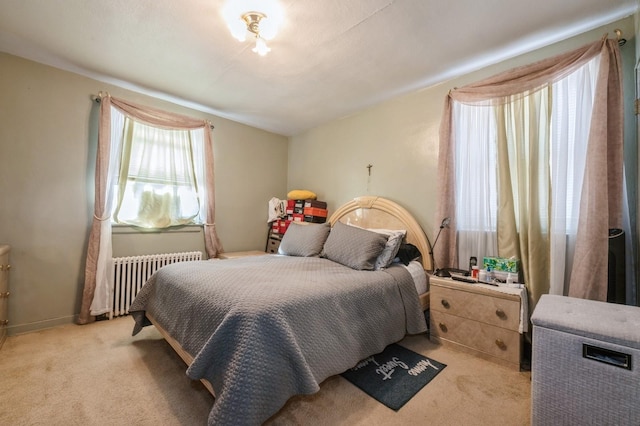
(530,153)
(157,175)
(539,200)
(161,179)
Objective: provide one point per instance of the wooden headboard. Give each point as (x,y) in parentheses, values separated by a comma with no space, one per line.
(378,212)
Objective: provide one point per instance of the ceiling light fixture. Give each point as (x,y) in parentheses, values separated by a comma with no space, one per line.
(258,18)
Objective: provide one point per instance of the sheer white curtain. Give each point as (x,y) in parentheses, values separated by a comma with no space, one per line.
(572,108)
(161,181)
(103,297)
(476,180)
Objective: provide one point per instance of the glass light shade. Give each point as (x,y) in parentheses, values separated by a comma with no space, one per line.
(238,29)
(261,47)
(268,28)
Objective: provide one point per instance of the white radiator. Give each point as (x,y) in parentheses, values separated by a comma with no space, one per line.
(130,273)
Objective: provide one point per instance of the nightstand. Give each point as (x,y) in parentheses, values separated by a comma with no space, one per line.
(476,319)
(273,242)
(236,254)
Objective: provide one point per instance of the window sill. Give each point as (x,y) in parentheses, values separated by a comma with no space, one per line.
(128,229)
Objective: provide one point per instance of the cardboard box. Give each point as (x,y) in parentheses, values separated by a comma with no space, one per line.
(297,217)
(283,225)
(315,203)
(315,211)
(315,219)
(299,204)
(291,204)
(500,264)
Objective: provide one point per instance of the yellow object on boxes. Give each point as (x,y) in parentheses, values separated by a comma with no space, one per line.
(301,194)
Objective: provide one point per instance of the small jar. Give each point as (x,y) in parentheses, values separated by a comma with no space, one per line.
(482,276)
(475,272)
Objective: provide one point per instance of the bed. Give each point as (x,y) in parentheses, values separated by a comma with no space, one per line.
(258,330)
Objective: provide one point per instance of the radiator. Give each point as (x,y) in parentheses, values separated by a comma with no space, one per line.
(130,273)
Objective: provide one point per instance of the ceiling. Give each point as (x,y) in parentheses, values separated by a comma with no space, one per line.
(330,59)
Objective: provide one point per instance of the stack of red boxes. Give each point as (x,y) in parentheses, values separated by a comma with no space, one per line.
(313,211)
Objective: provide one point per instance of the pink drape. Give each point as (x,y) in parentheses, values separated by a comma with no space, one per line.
(154,117)
(601,200)
(100,199)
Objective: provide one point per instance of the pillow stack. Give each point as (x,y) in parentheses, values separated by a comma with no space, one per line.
(352,246)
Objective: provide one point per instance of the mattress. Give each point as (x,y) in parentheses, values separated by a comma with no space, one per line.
(416,270)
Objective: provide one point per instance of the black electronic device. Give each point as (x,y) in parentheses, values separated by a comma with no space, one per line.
(446,272)
(461,277)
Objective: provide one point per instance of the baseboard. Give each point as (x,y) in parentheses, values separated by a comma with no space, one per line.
(39,325)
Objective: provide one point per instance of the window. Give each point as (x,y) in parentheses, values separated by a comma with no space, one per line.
(522,161)
(161,178)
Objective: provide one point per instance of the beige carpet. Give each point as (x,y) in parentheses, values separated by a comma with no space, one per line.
(98,374)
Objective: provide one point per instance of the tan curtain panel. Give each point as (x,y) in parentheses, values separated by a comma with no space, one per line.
(601,199)
(95,270)
(524,186)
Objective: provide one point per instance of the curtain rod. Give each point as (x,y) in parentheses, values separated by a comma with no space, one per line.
(621,41)
(618,32)
(97,98)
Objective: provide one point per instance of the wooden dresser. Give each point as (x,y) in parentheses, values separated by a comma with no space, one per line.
(477,320)
(4,292)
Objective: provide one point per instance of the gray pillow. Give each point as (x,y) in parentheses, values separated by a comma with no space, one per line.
(354,247)
(304,240)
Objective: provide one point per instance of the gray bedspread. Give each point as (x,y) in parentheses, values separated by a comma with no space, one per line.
(262,329)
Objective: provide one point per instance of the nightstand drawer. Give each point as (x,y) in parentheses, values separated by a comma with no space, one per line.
(495,311)
(493,341)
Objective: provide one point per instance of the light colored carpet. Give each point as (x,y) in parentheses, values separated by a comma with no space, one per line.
(98,374)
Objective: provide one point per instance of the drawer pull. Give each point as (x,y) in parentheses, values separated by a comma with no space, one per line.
(443,327)
(500,344)
(445,303)
(4,295)
(4,322)
(5,267)
(500,313)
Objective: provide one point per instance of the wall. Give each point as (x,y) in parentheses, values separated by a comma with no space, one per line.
(636,125)
(400,139)
(48,141)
